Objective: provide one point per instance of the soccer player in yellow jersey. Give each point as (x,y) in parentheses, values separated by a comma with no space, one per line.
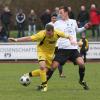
(84,46)
(45,49)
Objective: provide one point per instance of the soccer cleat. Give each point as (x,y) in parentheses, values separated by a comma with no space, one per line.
(39,87)
(42,88)
(62,76)
(85,86)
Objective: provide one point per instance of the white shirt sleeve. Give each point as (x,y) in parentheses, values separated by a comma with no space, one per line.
(78,30)
(56,25)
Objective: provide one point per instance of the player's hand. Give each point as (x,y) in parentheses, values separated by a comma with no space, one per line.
(12,39)
(72,41)
(80,43)
(88,25)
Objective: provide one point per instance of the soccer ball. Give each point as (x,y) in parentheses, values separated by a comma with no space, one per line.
(25,80)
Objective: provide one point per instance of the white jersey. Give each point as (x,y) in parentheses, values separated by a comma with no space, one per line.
(68,27)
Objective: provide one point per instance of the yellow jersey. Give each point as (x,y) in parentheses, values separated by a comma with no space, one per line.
(47,44)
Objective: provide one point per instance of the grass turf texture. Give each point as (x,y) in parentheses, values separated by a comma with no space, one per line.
(58,88)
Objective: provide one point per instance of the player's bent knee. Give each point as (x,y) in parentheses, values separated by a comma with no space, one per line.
(80,61)
(42,68)
(55,64)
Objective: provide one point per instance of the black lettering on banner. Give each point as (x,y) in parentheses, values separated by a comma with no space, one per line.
(7,55)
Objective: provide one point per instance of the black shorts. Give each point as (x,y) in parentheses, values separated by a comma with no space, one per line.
(62,55)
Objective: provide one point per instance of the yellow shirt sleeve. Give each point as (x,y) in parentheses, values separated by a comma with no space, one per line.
(62,34)
(38,36)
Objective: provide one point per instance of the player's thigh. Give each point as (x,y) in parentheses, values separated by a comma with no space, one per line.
(55,64)
(45,65)
(49,62)
(75,57)
(79,61)
(60,57)
(49,59)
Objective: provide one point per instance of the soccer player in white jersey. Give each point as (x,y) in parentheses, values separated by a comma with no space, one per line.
(66,51)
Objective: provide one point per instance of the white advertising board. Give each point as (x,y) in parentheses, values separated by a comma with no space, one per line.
(94,50)
(13,51)
(18,51)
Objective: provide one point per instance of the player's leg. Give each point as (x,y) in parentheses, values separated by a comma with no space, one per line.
(43,75)
(84,56)
(81,64)
(76,58)
(50,72)
(48,61)
(42,63)
(60,69)
(48,66)
(41,72)
(60,59)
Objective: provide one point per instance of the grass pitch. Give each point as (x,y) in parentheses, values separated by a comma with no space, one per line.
(58,88)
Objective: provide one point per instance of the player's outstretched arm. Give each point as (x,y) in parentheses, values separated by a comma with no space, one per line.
(86,26)
(23,39)
(12,40)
